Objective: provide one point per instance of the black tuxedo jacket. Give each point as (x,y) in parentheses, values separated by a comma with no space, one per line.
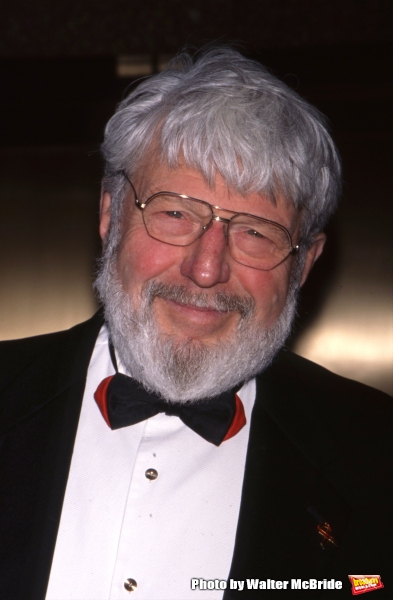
(317,454)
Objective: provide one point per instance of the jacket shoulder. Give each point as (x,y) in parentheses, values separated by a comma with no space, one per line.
(321,409)
(305,377)
(17,355)
(36,370)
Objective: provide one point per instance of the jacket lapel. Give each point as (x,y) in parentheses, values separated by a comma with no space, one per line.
(285,494)
(42,415)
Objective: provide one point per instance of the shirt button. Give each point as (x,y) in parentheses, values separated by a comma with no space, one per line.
(151,474)
(130,585)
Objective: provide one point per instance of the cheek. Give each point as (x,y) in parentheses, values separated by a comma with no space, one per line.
(269,289)
(141,258)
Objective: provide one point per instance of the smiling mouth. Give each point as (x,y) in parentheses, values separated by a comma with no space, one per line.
(196,307)
(219,302)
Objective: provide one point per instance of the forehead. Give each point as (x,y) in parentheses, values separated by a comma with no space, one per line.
(156,176)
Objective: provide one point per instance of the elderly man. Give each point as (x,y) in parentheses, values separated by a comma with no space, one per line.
(166,449)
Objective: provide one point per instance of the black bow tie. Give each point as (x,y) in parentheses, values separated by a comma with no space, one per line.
(123,402)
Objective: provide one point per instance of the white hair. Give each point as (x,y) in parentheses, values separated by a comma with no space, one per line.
(223,113)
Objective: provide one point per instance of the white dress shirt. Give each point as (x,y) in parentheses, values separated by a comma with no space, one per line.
(153,502)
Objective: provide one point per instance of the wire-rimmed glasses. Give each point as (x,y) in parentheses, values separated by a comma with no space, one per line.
(179,220)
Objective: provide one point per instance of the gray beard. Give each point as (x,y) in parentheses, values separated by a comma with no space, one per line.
(188,370)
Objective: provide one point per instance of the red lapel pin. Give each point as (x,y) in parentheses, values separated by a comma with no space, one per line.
(325,531)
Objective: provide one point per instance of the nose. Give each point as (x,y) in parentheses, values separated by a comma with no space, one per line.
(206,260)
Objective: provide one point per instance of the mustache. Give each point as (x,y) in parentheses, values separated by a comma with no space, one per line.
(220,301)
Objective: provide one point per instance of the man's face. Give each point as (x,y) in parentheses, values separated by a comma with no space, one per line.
(203,272)
(204,266)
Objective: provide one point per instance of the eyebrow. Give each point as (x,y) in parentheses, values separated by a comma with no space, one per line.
(216,207)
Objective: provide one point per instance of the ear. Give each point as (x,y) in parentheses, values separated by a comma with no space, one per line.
(313,254)
(105,214)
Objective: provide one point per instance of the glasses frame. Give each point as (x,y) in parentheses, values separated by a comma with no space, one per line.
(293,249)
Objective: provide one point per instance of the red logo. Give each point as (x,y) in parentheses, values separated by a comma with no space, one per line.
(365,583)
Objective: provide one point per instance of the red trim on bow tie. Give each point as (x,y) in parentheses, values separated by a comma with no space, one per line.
(100,397)
(239,420)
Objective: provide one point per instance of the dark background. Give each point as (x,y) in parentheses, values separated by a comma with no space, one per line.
(63,68)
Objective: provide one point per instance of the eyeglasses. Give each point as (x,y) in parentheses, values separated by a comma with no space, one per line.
(180,220)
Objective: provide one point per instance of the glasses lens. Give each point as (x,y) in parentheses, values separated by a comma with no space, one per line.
(175,220)
(256,243)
